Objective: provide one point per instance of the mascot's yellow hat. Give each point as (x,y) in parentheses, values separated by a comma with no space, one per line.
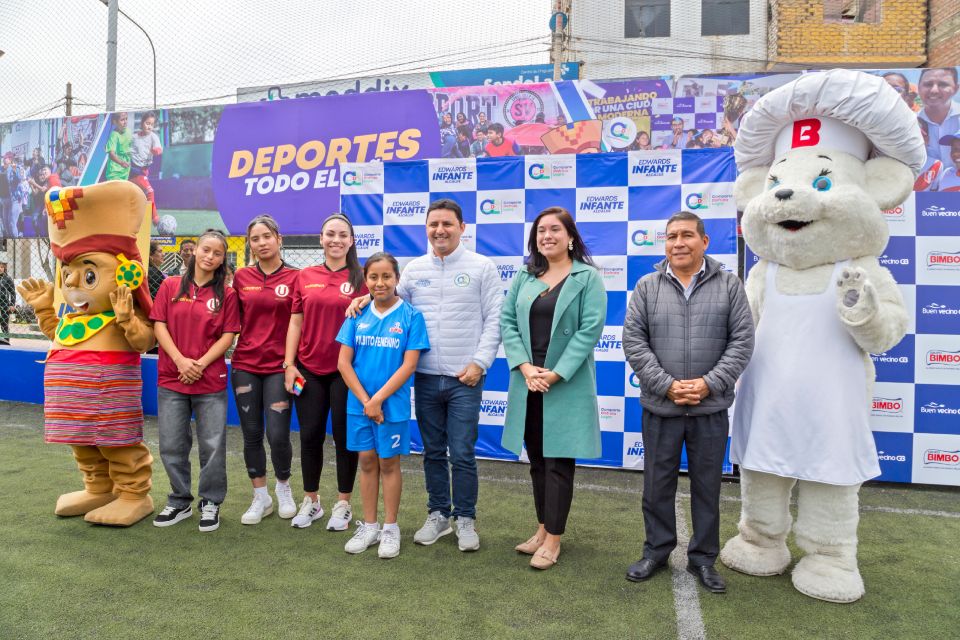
(99,218)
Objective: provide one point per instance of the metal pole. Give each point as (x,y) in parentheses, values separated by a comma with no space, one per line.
(153,50)
(113,8)
(69,99)
(558,23)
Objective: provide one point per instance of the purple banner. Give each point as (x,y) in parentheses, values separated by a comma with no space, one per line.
(282,158)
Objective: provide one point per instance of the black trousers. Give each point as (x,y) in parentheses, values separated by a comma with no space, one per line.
(260,403)
(5,326)
(706,440)
(552,477)
(324,395)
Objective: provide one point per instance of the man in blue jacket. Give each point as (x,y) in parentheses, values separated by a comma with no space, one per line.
(688,334)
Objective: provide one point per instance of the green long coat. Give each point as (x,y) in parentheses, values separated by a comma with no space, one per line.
(571,425)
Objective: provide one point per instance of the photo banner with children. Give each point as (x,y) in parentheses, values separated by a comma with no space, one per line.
(621,202)
(217,166)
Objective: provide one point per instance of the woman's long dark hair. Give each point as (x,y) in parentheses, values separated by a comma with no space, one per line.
(536,262)
(353,262)
(219,276)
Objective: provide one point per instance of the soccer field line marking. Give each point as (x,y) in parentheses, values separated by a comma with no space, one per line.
(686,597)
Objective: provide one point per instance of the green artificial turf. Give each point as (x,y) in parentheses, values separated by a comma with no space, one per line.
(63,578)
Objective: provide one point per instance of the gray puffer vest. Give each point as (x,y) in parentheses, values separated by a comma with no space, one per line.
(667,337)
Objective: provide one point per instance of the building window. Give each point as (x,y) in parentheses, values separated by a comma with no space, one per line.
(646,19)
(724,17)
(851,11)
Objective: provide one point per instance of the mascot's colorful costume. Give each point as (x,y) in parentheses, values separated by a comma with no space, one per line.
(812,189)
(92,382)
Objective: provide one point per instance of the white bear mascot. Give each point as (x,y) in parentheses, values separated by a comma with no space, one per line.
(819,160)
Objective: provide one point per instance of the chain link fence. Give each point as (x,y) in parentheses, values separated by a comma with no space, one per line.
(32,258)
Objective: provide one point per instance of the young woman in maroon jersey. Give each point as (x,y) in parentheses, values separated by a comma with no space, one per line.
(265,292)
(320,299)
(195,318)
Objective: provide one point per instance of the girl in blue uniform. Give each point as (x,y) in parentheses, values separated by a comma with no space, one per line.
(379,353)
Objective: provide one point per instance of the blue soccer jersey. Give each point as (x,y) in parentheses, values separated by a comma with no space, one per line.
(379,341)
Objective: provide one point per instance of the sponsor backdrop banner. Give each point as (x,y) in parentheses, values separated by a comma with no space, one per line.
(407,81)
(621,202)
(915,410)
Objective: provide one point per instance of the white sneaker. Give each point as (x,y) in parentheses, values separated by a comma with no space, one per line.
(340,516)
(287,507)
(309,511)
(260,508)
(365,536)
(389,543)
(467,537)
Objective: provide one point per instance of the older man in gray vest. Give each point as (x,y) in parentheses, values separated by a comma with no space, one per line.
(688,334)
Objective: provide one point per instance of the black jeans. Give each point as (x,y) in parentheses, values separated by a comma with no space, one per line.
(263,400)
(706,440)
(552,477)
(323,395)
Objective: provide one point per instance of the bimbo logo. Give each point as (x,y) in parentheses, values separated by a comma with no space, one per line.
(538,172)
(943,260)
(887,407)
(489,207)
(896,213)
(352,178)
(941,458)
(695,201)
(806,133)
(940,359)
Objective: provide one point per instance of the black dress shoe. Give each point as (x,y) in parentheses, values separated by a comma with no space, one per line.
(643,569)
(709,577)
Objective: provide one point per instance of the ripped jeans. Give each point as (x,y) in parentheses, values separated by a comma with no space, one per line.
(262,401)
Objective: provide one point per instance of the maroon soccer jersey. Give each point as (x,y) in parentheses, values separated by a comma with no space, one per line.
(194,323)
(265,302)
(322,296)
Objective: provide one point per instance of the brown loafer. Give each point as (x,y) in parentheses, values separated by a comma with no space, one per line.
(530,546)
(542,559)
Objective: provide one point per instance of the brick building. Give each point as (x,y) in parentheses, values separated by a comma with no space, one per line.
(943,40)
(847,33)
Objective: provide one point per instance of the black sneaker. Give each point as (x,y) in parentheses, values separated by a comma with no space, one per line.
(172,515)
(209,516)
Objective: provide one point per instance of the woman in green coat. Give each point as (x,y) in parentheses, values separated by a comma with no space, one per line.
(550,323)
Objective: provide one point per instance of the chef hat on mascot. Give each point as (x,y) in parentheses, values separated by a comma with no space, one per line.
(840,109)
(100,218)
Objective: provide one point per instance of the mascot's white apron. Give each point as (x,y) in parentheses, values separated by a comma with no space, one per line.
(805,391)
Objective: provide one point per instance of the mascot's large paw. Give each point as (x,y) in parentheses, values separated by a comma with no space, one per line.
(78,503)
(830,578)
(122,512)
(746,557)
(856,296)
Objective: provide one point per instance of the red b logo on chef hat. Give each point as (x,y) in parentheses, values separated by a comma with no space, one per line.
(806,133)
